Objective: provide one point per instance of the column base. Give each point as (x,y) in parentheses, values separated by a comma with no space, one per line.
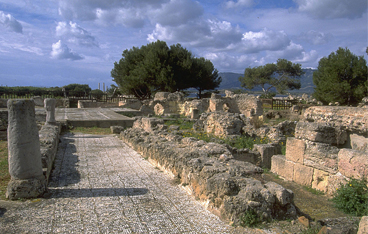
(29,188)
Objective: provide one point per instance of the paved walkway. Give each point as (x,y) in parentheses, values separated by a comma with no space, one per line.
(100,185)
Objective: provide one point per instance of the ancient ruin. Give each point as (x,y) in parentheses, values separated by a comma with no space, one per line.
(325,146)
(25,167)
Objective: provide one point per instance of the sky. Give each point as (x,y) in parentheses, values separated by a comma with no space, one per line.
(48,43)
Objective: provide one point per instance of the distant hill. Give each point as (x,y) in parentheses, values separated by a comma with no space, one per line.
(230,80)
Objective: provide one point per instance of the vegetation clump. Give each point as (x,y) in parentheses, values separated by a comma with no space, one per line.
(352,197)
(250,219)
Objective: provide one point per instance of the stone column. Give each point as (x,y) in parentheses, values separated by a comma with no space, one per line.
(25,166)
(49,105)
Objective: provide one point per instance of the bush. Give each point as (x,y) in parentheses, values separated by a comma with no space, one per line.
(249,219)
(96,93)
(352,198)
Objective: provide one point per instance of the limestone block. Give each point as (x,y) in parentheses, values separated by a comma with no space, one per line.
(295,150)
(160,96)
(150,124)
(320,180)
(159,109)
(49,105)
(321,156)
(38,101)
(131,103)
(359,143)
(363,225)
(334,182)
(282,167)
(283,196)
(353,119)
(353,163)
(266,151)
(320,132)
(116,129)
(302,174)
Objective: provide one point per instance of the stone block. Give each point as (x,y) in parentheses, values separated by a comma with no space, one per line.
(320,132)
(282,167)
(363,225)
(266,151)
(353,163)
(334,182)
(320,180)
(295,150)
(321,156)
(116,129)
(302,174)
(359,143)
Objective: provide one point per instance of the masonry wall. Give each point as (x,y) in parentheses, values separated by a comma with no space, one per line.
(328,150)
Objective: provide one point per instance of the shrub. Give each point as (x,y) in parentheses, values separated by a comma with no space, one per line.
(249,219)
(352,198)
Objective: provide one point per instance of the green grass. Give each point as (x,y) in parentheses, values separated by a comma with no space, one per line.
(93,130)
(182,123)
(4,168)
(313,190)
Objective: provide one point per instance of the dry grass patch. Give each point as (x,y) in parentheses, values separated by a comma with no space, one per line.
(4,169)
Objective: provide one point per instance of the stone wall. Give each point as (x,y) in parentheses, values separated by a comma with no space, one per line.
(49,141)
(248,105)
(328,150)
(209,172)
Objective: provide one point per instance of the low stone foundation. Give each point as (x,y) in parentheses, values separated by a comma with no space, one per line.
(49,141)
(330,146)
(208,171)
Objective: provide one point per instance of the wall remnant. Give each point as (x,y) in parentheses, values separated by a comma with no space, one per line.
(209,172)
(329,147)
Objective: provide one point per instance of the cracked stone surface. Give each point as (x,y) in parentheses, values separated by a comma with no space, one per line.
(100,185)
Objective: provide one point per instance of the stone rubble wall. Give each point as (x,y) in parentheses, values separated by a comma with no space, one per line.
(330,146)
(209,172)
(49,141)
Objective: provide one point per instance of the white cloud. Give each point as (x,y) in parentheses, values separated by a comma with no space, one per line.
(239,3)
(130,13)
(331,9)
(62,51)
(75,34)
(315,38)
(176,12)
(10,22)
(295,53)
(254,42)
(220,35)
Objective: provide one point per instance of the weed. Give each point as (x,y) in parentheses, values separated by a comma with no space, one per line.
(250,219)
(93,130)
(4,169)
(352,197)
(312,230)
(185,184)
(313,190)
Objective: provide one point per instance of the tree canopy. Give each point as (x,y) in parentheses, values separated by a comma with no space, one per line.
(341,77)
(283,76)
(156,67)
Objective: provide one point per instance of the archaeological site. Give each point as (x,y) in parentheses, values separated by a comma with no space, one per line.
(227,154)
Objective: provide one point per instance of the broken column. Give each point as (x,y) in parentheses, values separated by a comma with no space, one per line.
(25,167)
(49,105)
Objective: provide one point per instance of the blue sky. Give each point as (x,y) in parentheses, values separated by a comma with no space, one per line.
(57,42)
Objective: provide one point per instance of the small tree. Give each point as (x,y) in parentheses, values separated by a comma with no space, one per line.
(341,77)
(283,76)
